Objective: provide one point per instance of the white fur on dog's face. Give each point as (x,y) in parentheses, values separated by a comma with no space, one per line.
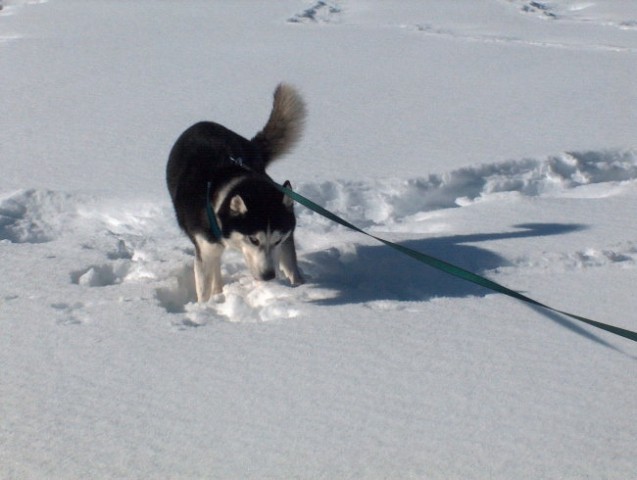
(260,251)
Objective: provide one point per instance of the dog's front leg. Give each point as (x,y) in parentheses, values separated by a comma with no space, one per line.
(208,279)
(287,262)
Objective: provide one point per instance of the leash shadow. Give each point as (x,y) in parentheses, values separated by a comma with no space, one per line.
(365,273)
(371,273)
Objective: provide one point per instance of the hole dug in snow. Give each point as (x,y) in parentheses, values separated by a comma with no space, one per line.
(100,275)
(243,300)
(175,297)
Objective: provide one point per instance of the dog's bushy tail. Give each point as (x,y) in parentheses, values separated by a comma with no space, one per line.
(285,125)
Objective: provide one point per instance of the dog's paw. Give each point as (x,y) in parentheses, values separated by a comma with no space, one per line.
(296,279)
(218,297)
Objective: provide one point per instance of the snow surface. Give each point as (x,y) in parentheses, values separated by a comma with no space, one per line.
(496,134)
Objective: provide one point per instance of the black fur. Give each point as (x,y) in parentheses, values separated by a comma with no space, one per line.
(253,215)
(201,155)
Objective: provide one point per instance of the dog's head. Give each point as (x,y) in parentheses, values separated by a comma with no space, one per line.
(257,219)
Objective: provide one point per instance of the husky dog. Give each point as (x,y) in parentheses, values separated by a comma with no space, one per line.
(216,174)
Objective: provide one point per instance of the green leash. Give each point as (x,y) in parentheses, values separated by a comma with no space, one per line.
(444,266)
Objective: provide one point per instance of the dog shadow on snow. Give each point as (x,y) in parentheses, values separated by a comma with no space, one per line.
(377,272)
(370,273)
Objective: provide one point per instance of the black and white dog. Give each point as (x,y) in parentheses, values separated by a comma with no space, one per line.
(222,198)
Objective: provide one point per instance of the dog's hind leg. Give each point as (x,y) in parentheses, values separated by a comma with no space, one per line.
(208,279)
(287,262)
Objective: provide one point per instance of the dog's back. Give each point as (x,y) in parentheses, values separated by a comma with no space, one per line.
(201,155)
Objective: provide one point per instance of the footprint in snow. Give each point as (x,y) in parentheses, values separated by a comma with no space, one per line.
(321,12)
(69,314)
(100,275)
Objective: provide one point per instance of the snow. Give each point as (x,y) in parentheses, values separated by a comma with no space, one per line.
(494,134)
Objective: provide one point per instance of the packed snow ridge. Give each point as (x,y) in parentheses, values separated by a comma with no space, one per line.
(36,216)
(369,202)
(128,245)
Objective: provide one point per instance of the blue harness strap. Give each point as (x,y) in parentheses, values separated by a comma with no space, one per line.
(212,218)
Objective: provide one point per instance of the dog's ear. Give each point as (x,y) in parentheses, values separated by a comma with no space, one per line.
(287,201)
(237,206)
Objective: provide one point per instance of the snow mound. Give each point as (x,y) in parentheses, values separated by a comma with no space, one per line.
(124,246)
(37,216)
(368,202)
(34,216)
(245,301)
(7,7)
